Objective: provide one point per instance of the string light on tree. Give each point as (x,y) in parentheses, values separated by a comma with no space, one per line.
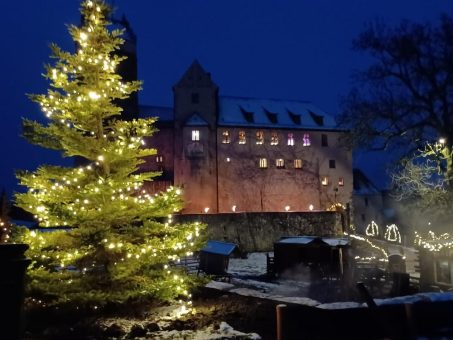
(121,239)
(433,242)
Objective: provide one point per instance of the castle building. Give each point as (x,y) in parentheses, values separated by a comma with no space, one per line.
(234,154)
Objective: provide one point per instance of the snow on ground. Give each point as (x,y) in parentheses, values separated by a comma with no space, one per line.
(253,265)
(223,331)
(246,274)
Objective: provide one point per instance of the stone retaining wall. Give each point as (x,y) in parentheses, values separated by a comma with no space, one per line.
(258,231)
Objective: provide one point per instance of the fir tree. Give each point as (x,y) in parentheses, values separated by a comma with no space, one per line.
(5,226)
(120,239)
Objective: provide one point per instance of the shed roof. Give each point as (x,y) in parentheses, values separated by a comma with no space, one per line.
(304,240)
(218,247)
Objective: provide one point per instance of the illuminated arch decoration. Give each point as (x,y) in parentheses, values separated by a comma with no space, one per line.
(392,233)
(372,229)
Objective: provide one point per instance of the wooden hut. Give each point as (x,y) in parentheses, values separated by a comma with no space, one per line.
(324,256)
(215,256)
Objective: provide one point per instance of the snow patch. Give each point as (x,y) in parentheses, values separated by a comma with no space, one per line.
(220,285)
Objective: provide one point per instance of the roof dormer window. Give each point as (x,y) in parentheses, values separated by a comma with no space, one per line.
(318,119)
(272,117)
(248,116)
(295,118)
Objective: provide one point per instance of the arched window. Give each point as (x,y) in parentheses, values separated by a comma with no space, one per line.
(242,138)
(226,137)
(259,137)
(306,140)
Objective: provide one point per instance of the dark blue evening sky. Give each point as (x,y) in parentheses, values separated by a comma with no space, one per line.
(288,49)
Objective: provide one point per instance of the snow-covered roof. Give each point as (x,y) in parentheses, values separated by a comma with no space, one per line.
(218,247)
(273,113)
(253,112)
(196,120)
(331,241)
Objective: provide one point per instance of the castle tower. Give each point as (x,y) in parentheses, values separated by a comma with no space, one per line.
(195,127)
(128,67)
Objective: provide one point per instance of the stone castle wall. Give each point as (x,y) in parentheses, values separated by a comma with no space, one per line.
(258,231)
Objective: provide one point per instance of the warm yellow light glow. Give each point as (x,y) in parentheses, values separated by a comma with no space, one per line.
(93,95)
(392,234)
(287,208)
(311,207)
(83,36)
(372,229)
(233,208)
(206,210)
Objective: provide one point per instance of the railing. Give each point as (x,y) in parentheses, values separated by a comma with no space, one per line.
(188,263)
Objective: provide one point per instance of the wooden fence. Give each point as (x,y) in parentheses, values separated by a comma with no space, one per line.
(397,321)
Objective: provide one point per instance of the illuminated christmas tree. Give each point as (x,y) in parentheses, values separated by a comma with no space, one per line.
(5,226)
(117,240)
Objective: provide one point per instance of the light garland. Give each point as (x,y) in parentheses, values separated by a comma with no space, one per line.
(433,242)
(364,239)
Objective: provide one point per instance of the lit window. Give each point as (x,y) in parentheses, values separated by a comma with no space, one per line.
(228,159)
(297,164)
(195,135)
(274,138)
(280,163)
(290,139)
(259,137)
(226,137)
(325,180)
(332,164)
(159,159)
(263,163)
(324,140)
(306,140)
(341,181)
(242,138)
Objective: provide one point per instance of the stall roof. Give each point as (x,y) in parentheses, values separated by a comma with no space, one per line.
(218,247)
(331,241)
